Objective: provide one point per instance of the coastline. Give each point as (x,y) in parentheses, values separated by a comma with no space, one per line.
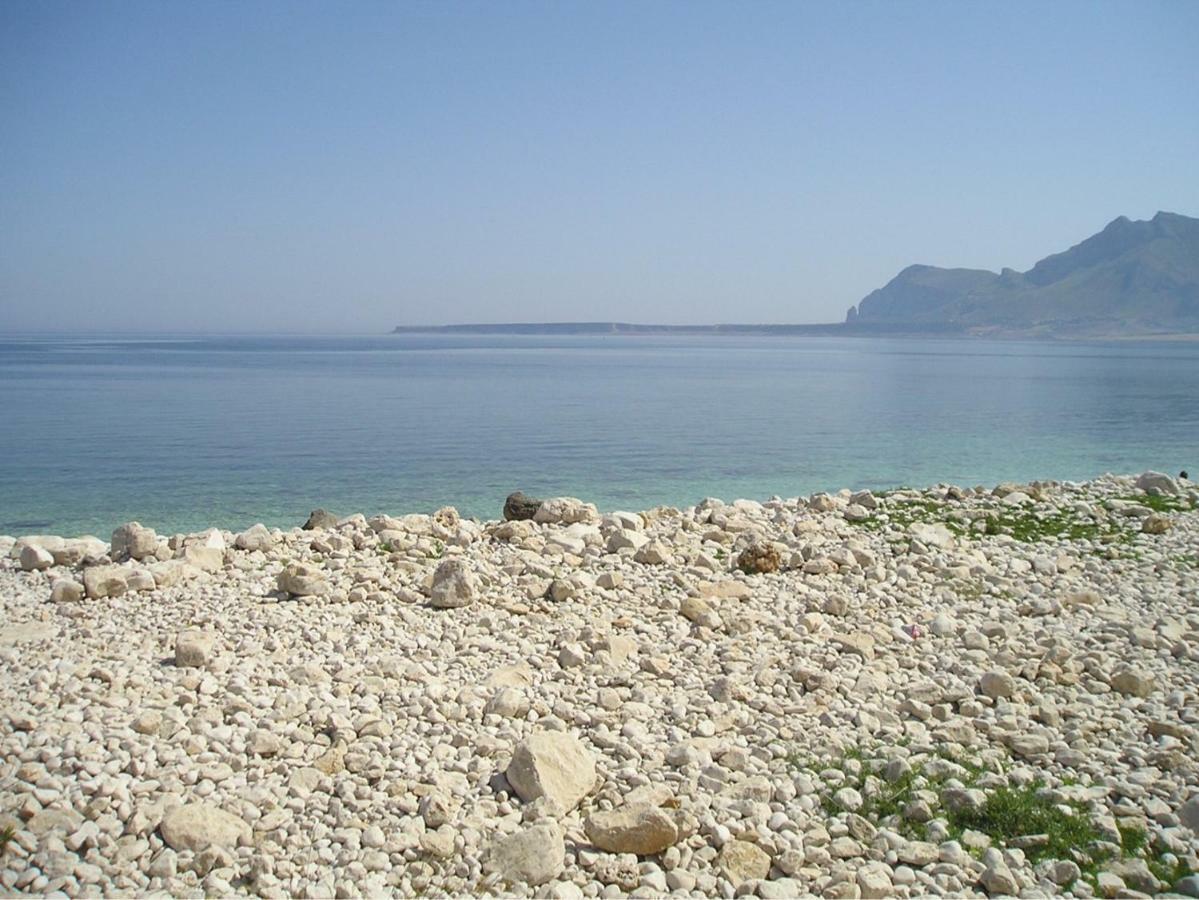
(915,331)
(592,703)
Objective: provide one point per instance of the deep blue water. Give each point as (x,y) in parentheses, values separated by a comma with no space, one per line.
(189,432)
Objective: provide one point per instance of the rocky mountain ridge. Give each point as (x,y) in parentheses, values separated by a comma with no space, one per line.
(1132,278)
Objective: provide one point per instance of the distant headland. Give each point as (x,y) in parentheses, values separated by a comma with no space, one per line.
(1132,279)
(630,328)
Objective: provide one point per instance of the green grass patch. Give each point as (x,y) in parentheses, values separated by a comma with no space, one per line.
(1030,528)
(1013,812)
(7,833)
(1171,871)
(902,513)
(1187,561)
(1008,813)
(1021,524)
(1160,503)
(1133,840)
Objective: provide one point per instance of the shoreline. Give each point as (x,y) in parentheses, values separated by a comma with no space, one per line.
(822,329)
(828,695)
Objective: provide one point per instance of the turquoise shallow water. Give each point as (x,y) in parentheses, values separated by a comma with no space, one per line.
(188,432)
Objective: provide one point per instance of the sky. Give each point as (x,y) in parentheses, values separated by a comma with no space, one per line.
(347,167)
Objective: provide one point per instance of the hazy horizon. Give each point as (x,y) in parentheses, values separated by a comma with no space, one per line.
(305,167)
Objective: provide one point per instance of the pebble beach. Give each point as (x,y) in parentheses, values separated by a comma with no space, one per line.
(952,691)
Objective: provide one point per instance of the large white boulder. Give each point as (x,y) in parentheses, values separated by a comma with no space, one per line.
(76,550)
(35,558)
(552,764)
(302,580)
(256,537)
(565,511)
(931,534)
(133,541)
(1157,481)
(104,581)
(454,585)
(642,828)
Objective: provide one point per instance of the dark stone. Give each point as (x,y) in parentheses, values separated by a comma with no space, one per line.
(759,557)
(518,506)
(320,518)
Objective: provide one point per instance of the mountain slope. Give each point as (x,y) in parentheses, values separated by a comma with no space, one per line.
(1130,278)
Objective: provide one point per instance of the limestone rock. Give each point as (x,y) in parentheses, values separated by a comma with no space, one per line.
(655,553)
(49,542)
(741,861)
(77,550)
(855,512)
(1157,481)
(256,537)
(857,642)
(302,580)
(437,809)
(1188,814)
(205,551)
(134,541)
(534,855)
(149,722)
(874,880)
(997,684)
(170,572)
(454,585)
(194,648)
(66,590)
(699,611)
(552,764)
(1136,874)
(998,880)
(1133,682)
(865,499)
(641,828)
(264,743)
(932,535)
(565,511)
(35,558)
(104,581)
(508,702)
(195,826)
(1155,524)
(624,539)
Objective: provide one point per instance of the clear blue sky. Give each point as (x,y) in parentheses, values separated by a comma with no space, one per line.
(349,166)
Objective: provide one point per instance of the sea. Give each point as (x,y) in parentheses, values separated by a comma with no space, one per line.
(186,432)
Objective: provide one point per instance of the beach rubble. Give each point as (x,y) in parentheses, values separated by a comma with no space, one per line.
(953,691)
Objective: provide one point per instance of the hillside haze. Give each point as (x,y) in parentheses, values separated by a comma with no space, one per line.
(1131,278)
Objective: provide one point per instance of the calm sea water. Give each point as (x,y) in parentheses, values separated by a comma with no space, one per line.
(185,433)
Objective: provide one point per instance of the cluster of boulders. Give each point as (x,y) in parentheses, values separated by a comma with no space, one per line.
(562,703)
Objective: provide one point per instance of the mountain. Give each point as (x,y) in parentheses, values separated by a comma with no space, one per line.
(1131,278)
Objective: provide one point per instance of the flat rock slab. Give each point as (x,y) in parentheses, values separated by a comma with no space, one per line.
(195,826)
(26,632)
